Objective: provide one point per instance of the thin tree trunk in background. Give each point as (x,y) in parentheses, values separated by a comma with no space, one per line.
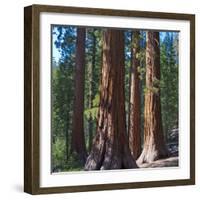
(91,88)
(67,137)
(78,139)
(90,97)
(154,145)
(129,83)
(134,103)
(110,147)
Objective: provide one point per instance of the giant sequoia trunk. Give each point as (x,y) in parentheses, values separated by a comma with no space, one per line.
(134,104)
(78,140)
(110,146)
(154,145)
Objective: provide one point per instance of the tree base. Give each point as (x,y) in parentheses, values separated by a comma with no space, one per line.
(105,157)
(149,155)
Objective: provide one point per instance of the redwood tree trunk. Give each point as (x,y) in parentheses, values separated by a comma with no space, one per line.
(110,146)
(154,145)
(134,104)
(78,139)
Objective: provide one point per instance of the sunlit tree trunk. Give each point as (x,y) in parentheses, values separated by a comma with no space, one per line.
(110,146)
(134,103)
(154,145)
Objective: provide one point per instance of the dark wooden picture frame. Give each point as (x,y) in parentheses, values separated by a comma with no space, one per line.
(32,92)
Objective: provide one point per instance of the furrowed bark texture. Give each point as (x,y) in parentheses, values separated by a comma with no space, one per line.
(78,139)
(154,145)
(134,104)
(110,146)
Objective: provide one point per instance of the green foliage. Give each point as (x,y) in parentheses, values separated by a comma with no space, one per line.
(156,85)
(142,56)
(141,70)
(73,163)
(154,90)
(169,78)
(60,164)
(62,95)
(91,113)
(94,41)
(58,150)
(96,100)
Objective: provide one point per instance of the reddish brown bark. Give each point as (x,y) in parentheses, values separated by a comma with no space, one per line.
(154,145)
(134,104)
(110,146)
(78,139)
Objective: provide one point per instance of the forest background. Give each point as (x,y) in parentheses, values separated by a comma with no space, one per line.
(64,47)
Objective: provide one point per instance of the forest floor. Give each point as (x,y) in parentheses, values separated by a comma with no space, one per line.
(173,159)
(167,162)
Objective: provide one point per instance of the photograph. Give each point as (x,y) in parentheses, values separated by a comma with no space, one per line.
(114,98)
(109,99)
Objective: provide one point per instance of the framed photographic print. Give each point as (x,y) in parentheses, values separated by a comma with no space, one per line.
(109,99)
